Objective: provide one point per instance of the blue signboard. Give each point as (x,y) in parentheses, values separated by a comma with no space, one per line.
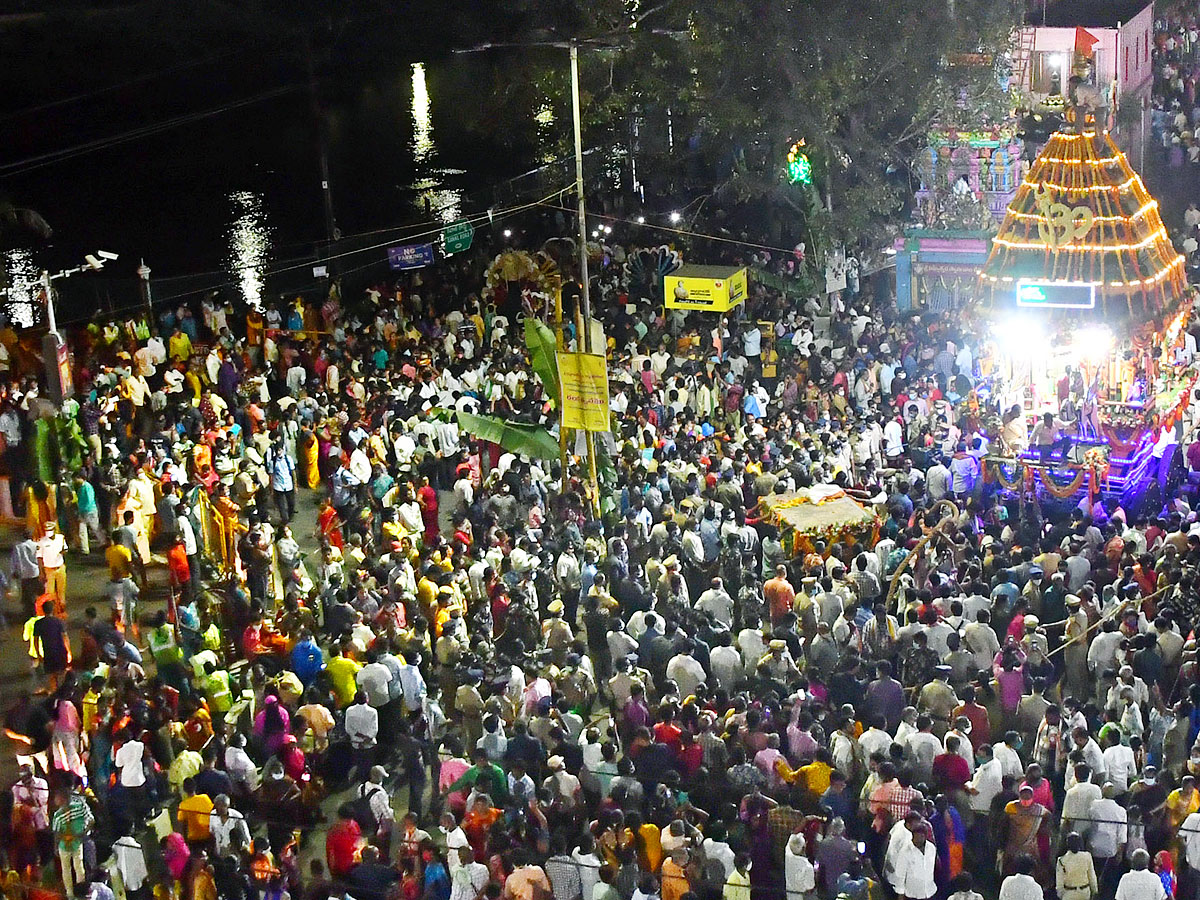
(1057,294)
(410,256)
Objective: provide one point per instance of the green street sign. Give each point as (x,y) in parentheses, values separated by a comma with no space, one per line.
(457,237)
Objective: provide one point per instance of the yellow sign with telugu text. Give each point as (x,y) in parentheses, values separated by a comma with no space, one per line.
(584,381)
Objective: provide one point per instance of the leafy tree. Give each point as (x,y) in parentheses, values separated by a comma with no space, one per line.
(861,82)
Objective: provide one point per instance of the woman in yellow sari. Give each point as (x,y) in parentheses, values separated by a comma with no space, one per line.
(40,507)
(309,459)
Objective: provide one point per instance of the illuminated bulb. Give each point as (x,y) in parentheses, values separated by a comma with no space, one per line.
(675,217)
(608,229)
(641,220)
(508,232)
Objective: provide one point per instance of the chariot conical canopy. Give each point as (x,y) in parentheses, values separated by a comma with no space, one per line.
(1083,217)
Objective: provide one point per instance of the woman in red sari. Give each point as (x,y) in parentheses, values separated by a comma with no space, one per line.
(427,497)
(329,525)
(477,823)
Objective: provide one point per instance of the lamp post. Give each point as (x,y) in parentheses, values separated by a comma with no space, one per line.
(143,273)
(585,295)
(55,353)
(585,303)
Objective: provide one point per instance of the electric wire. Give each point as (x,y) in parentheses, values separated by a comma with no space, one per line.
(278,270)
(19,167)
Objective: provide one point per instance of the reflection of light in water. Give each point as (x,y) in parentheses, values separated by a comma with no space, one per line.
(249,244)
(544,119)
(422,140)
(445,203)
(23,277)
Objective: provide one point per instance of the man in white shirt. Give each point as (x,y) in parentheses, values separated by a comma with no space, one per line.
(717,602)
(1079,799)
(986,784)
(685,670)
(128,759)
(799,877)
(1110,829)
(912,863)
(1021,885)
(1189,834)
(893,440)
(980,639)
(588,863)
(937,481)
(875,740)
(456,840)
(1102,652)
(1119,763)
(362,727)
(725,663)
(1140,883)
(229,830)
(372,679)
(1010,761)
(1092,755)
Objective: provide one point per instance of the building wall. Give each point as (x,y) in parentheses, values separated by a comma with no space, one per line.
(1121,55)
(1134,69)
(1062,41)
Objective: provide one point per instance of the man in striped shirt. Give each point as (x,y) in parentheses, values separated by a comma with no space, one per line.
(71,823)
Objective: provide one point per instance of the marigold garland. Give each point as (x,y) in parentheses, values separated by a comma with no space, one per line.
(1064,490)
(1013,483)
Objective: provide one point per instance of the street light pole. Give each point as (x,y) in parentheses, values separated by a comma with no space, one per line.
(586,298)
(55,354)
(583,261)
(49,289)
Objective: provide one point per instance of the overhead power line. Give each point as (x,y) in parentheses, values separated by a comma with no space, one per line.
(36,162)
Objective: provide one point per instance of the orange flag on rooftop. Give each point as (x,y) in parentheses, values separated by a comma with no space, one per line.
(1085,41)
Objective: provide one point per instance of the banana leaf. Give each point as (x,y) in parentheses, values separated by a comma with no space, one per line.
(515,437)
(542,344)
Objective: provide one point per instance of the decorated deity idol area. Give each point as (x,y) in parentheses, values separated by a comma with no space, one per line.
(1088,320)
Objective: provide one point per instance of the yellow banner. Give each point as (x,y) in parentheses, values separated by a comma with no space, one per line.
(707,288)
(584,380)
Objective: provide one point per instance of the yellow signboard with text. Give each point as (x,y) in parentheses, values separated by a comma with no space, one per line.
(706,288)
(584,380)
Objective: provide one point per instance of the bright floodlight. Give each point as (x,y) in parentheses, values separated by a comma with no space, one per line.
(1017,338)
(641,220)
(608,229)
(1093,343)
(508,232)
(675,217)
(105,254)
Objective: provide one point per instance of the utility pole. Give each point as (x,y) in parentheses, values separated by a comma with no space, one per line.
(56,356)
(585,296)
(318,113)
(143,273)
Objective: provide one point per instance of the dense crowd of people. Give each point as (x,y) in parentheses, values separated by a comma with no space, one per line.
(469,684)
(1174,110)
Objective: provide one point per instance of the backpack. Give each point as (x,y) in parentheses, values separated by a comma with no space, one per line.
(361,812)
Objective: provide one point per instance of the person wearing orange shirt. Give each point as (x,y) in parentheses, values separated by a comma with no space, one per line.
(779,594)
(179,569)
(674,875)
